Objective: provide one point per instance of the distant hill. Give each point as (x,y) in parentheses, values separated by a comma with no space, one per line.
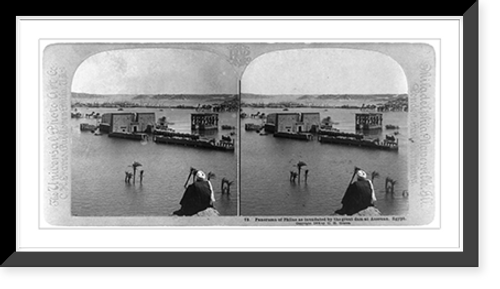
(246,97)
(201,97)
(88,95)
(321,96)
(155,98)
(359,96)
(307,97)
(314,98)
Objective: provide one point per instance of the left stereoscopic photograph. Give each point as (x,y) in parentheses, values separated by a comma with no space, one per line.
(151,132)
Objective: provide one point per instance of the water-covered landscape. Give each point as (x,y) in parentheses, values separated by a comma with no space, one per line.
(99,162)
(266,163)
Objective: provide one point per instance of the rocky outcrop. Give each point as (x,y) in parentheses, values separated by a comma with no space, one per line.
(370,211)
(209,212)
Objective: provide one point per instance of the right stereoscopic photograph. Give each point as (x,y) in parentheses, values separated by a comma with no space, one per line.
(337,129)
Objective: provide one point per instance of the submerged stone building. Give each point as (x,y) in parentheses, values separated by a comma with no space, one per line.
(128,122)
(292,122)
(369,121)
(204,121)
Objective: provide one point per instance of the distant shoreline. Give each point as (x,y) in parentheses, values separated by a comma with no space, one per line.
(290,105)
(185,106)
(390,102)
(191,107)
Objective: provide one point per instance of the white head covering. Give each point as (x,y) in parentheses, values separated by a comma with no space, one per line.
(361,174)
(200,176)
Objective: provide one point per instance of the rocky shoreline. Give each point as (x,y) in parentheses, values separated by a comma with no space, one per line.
(209,212)
(370,211)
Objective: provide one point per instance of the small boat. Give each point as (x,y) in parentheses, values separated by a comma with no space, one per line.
(391,126)
(87,127)
(252,126)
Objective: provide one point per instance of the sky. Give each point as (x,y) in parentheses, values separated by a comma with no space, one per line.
(301,71)
(324,71)
(155,71)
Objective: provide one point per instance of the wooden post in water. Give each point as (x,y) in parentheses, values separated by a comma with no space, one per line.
(225,186)
(389,185)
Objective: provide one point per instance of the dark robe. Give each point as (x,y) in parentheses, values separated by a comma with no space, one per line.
(196,198)
(357,198)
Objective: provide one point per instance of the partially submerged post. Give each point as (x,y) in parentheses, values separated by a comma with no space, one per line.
(389,185)
(128,176)
(299,166)
(134,167)
(226,186)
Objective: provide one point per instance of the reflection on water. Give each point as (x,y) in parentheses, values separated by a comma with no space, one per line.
(370,133)
(266,163)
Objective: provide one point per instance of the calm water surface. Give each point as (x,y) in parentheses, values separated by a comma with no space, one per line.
(99,163)
(266,163)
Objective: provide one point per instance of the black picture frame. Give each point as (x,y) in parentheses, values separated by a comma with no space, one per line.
(468,256)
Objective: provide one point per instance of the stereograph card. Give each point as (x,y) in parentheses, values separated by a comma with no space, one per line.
(283,133)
